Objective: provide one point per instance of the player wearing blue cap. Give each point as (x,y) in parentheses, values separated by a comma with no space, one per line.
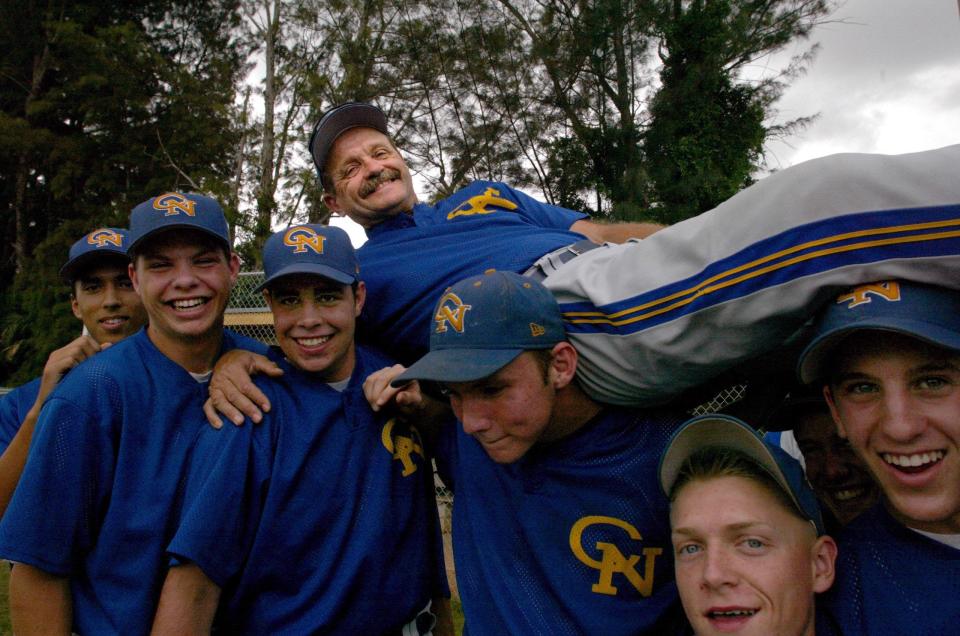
(322,518)
(89,521)
(888,355)
(646,317)
(559,526)
(103,299)
(748,537)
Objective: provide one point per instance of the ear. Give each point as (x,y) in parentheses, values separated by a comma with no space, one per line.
(330,200)
(268,298)
(234,264)
(74,305)
(831,403)
(563,366)
(359,297)
(132,273)
(824,557)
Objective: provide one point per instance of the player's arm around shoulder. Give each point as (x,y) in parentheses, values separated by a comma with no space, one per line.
(40,603)
(408,401)
(188,603)
(614,232)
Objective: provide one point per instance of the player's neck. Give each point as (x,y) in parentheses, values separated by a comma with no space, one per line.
(196,355)
(572,410)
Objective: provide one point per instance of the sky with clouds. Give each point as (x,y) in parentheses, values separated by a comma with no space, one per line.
(886,79)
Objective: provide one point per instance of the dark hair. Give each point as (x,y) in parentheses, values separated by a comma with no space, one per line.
(198,236)
(104,260)
(721,461)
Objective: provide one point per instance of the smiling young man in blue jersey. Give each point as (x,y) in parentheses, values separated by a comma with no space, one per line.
(559,525)
(103,299)
(321,519)
(888,357)
(92,515)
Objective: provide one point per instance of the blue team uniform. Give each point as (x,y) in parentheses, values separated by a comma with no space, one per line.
(14,407)
(308,522)
(574,538)
(410,259)
(892,580)
(97,497)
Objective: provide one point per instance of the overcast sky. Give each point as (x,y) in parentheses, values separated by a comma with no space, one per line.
(886,79)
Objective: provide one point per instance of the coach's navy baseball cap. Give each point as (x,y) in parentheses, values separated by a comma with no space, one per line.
(482,323)
(102,243)
(310,249)
(339,120)
(175,210)
(924,312)
(725,431)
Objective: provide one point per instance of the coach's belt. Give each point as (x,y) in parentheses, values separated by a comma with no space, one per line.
(551,262)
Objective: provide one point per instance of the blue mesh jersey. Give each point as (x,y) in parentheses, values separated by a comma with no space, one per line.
(319,520)
(892,580)
(14,407)
(97,495)
(408,261)
(574,538)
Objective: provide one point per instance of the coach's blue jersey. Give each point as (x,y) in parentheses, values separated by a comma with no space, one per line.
(409,260)
(319,520)
(14,407)
(892,580)
(97,495)
(574,538)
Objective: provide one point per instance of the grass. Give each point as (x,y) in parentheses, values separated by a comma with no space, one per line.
(4,599)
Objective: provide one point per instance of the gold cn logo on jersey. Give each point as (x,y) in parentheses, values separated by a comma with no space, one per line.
(402,447)
(477,204)
(451,310)
(174,203)
(611,560)
(303,238)
(889,291)
(103,236)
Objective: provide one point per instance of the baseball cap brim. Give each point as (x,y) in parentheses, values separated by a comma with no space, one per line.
(457,365)
(340,120)
(308,268)
(719,430)
(811,364)
(68,273)
(176,226)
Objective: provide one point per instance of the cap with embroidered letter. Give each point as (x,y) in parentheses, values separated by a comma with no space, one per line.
(725,431)
(103,243)
(339,120)
(482,323)
(176,210)
(310,249)
(924,312)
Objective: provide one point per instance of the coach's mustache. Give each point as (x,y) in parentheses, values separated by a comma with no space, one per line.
(371,184)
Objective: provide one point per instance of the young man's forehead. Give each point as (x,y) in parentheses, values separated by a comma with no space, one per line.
(179,238)
(866,345)
(103,269)
(298,282)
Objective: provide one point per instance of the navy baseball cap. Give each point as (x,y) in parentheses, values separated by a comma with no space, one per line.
(339,120)
(310,249)
(110,242)
(482,323)
(924,312)
(175,210)
(725,431)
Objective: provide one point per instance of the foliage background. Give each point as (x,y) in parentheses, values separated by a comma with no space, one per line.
(626,109)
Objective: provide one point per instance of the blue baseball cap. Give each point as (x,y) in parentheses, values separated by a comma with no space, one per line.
(924,312)
(175,210)
(339,120)
(310,249)
(104,242)
(725,431)
(482,323)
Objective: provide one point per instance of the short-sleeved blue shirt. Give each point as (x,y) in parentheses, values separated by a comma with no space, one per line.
(321,519)
(410,259)
(574,538)
(14,407)
(98,495)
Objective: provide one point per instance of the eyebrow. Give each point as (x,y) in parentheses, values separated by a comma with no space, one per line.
(733,527)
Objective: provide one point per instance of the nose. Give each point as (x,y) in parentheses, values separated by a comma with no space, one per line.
(903,419)
(311,315)
(184,276)
(111,299)
(473,416)
(718,569)
(836,466)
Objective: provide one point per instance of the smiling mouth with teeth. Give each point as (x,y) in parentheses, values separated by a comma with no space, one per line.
(188,303)
(847,494)
(914,462)
(731,613)
(312,342)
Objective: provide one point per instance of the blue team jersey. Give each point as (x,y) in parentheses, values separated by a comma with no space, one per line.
(97,497)
(319,520)
(14,406)
(409,260)
(574,538)
(892,580)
